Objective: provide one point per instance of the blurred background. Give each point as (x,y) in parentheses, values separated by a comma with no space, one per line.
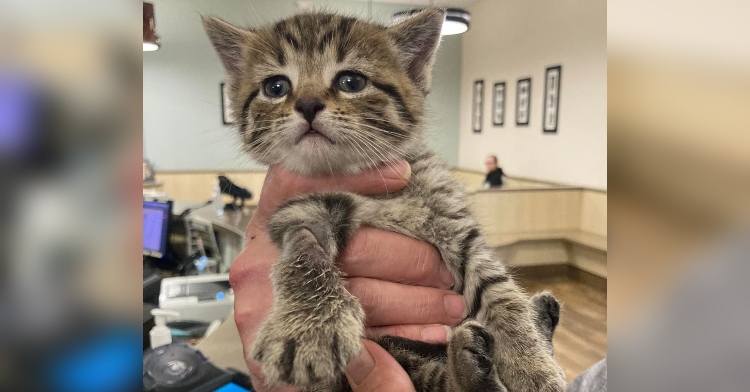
(70,142)
(679,171)
(663,296)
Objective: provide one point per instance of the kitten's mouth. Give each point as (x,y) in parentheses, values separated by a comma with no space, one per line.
(313,134)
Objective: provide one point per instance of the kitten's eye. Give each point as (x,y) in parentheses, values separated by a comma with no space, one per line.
(277,86)
(350,82)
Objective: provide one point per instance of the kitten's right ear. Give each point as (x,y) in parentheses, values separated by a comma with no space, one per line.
(228,41)
(417,39)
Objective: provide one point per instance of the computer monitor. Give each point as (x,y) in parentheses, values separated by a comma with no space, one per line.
(156,215)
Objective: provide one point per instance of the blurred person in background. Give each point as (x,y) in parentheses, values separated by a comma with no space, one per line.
(494,173)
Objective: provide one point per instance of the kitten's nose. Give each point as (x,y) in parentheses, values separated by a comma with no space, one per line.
(309,107)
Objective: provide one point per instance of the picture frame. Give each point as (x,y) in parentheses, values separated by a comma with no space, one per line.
(498,104)
(226,106)
(523,101)
(477,107)
(552,82)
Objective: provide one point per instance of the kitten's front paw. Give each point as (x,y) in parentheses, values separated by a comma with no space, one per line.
(470,365)
(307,351)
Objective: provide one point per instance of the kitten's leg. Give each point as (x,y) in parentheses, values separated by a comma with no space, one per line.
(315,325)
(524,360)
(464,364)
(526,364)
(470,349)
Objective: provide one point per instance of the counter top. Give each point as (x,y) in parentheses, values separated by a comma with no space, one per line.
(234,221)
(223,347)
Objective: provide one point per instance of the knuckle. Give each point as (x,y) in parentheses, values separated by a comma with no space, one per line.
(423,309)
(425,262)
(365,293)
(401,330)
(241,271)
(356,249)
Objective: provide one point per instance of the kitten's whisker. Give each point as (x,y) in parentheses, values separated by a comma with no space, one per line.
(371,146)
(375,165)
(377,129)
(270,144)
(374,149)
(381,140)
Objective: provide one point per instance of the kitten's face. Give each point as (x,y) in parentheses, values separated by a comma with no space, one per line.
(322,93)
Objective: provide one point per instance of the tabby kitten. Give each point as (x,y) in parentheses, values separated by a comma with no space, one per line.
(327,94)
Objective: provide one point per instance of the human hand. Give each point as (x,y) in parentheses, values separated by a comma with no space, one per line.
(374,370)
(400,282)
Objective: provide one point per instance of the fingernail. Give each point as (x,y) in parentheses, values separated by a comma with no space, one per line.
(436,334)
(445,275)
(396,170)
(454,305)
(360,367)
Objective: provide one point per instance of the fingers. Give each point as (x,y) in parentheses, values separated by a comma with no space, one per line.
(250,279)
(385,255)
(388,303)
(281,184)
(431,333)
(374,370)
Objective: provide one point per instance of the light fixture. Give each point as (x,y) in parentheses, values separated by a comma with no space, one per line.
(150,39)
(456,20)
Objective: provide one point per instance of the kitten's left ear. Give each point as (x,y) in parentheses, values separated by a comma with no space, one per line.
(230,43)
(417,38)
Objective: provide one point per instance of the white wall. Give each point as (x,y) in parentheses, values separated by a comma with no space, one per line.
(512,39)
(182,127)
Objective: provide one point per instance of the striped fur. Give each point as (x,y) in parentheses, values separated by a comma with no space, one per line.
(315,325)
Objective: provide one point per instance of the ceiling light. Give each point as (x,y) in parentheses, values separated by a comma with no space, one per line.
(150,39)
(149,47)
(456,20)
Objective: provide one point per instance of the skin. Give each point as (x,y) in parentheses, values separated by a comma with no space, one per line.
(401,283)
(490,163)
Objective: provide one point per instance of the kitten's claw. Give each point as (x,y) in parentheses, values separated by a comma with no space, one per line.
(307,353)
(470,359)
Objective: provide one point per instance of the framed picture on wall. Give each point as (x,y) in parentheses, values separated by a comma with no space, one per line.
(477,106)
(226,113)
(551,98)
(498,104)
(523,101)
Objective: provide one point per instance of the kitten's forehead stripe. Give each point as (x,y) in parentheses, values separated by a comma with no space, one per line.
(325,40)
(246,108)
(285,33)
(393,92)
(280,56)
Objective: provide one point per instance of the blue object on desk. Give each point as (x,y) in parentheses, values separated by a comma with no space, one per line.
(109,362)
(232,387)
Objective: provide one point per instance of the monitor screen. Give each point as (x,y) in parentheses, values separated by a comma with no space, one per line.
(156,227)
(20,110)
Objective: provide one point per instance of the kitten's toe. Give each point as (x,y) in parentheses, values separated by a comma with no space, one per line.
(306,353)
(547,308)
(470,365)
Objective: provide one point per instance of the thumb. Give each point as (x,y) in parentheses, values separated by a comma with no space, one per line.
(376,370)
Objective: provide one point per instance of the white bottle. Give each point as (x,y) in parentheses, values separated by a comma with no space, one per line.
(218,200)
(160,333)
